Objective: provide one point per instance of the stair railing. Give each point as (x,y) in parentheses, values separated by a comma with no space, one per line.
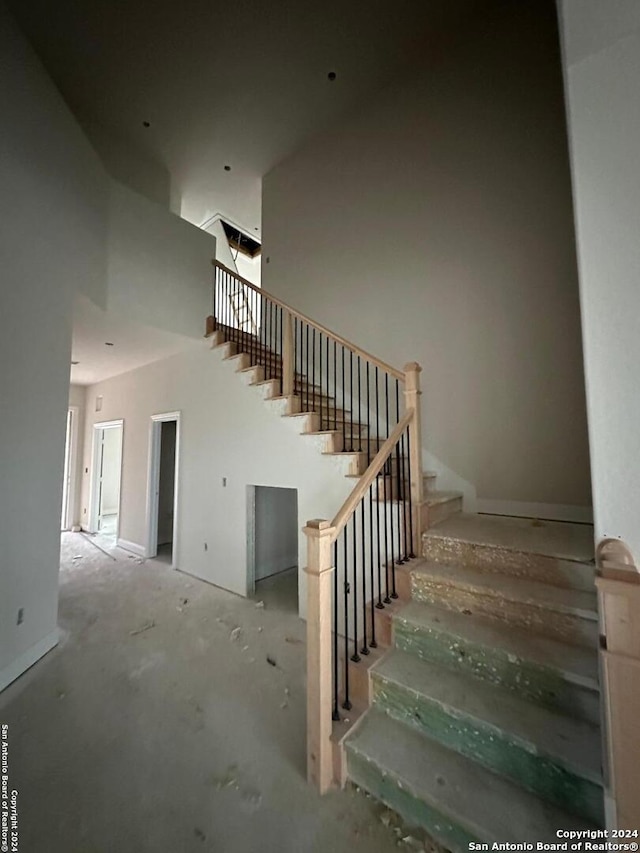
(351,575)
(373,410)
(354,394)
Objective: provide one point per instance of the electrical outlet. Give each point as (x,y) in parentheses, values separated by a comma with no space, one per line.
(20,618)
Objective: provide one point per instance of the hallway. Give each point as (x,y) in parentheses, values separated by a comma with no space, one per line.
(159,724)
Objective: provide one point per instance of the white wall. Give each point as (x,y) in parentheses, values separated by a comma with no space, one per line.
(52,242)
(159,266)
(436,225)
(225,427)
(276,531)
(60,219)
(133,168)
(602,77)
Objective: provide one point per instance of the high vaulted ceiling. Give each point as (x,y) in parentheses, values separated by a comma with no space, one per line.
(237,84)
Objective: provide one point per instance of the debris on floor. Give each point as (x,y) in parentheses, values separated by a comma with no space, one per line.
(293,640)
(235,635)
(271,661)
(144,628)
(251,798)
(260,605)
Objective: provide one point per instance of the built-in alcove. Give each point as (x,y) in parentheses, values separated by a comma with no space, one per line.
(272,570)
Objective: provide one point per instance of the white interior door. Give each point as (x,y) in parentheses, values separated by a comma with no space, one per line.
(107,468)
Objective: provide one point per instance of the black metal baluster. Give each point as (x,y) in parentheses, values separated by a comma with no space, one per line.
(355,657)
(327,383)
(313,370)
(369,454)
(344,422)
(379,605)
(373,644)
(320,383)
(359,409)
(405,485)
(387,600)
(281,351)
(351,399)
(399,463)
(306,370)
(365,648)
(335,386)
(335,714)
(347,589)
(410,490)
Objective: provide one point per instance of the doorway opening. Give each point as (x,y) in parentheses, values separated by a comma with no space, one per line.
(106,475)
(162,527)
(272,571)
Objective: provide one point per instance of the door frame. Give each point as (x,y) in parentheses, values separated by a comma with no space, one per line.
(69,485)
(94,508)
(153,485)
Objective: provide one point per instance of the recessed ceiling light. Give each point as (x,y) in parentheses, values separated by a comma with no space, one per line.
(227,168)
(146,124)
(331,76)
(75,362)
(108,344)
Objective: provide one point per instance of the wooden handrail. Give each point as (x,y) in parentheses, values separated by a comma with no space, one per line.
(392,371)
(348,507)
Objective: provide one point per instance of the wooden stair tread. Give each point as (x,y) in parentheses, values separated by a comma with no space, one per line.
(435,498)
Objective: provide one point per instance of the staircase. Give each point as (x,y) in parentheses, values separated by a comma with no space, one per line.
(459,686)
(484,723)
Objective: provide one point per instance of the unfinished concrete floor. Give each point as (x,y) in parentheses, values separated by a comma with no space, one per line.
(158,724)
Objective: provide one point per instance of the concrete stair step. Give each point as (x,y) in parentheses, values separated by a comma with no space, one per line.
(429,481)
(556,675)
(568,615)
(549,754)
(452,797)
(438,506)
(557,553)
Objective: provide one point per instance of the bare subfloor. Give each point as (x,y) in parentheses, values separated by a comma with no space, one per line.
(160,724)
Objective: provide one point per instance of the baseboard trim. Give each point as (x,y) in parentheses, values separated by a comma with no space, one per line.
(28,659)
(138,550)
(524,509)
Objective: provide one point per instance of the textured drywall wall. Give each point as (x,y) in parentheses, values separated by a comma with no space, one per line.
(159,266)
(435,225)
(602,74)
(224,430)
(52,242)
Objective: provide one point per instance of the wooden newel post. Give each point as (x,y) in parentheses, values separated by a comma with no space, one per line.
(288,387)
(319,682)
(412,394)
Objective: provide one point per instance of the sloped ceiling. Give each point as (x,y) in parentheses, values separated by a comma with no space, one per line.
(237,84)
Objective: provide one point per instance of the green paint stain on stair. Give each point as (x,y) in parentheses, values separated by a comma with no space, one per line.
(492,748)
(543,685)
(386,788)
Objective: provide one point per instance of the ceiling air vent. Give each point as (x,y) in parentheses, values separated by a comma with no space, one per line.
(241,242)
